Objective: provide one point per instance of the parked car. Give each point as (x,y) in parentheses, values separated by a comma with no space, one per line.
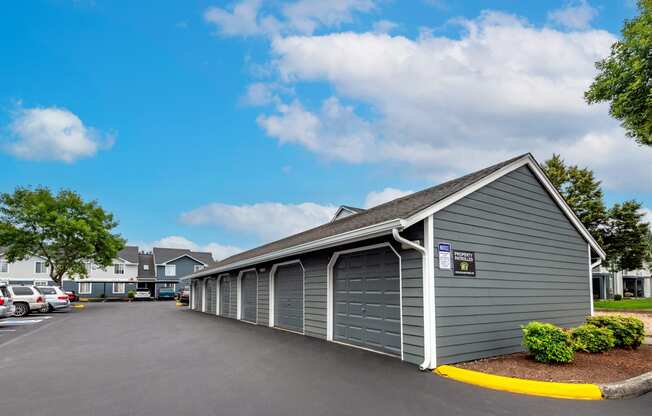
(27,299)
(184,296)
(56,298)
(72,296)
(6,302)
(143,294)
(166,293)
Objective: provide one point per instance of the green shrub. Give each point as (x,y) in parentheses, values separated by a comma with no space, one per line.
(618,297)
(131,294)
(628,332)
(591,338)
(547,343)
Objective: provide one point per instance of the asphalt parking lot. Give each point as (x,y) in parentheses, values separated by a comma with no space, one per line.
(15,328)
(157,359)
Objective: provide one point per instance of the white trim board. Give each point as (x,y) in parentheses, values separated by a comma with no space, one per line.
(330,295)
(177,258)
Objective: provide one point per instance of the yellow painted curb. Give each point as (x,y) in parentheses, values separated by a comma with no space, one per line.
(79,306)
(519,385)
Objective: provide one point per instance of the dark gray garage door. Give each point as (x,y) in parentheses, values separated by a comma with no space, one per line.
(211,294)
(367,300)
(288,298)
(200,294)
(225,296)
(249,292)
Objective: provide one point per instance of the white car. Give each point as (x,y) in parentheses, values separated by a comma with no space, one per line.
(142,294)
(55,297)
(27,299)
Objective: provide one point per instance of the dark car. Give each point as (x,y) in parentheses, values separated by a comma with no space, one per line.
(166,293)
(72,296)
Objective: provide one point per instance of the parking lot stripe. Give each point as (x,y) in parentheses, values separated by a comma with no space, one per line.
(7,330)
(21,322)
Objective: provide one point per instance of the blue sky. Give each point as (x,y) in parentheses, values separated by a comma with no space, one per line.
(222,125)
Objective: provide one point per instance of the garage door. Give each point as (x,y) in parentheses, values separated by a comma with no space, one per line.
(367,300)
(249,294)
(288,298)
(199,294)
(225,296)
(211,293)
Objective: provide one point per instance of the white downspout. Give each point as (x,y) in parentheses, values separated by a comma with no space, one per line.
(591,267)
(426,298)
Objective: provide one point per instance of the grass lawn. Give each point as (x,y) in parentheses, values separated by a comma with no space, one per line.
(640,303)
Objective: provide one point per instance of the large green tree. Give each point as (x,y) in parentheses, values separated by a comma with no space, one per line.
(625,77)
(63,229)
(581,191)
(626,237)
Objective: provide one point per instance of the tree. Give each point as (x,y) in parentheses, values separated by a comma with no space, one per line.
(581,191)
(626,238)
(62,229)
(625,77)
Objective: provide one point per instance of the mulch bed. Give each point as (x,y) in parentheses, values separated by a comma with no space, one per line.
(616,365)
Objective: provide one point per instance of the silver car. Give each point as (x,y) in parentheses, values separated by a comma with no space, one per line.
(27,299)
(6,302)
(56,298)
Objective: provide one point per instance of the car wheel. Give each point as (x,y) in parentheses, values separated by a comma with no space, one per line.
(50,308)
(21,309)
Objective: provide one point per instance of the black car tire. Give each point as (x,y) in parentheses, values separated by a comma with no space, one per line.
(22,309)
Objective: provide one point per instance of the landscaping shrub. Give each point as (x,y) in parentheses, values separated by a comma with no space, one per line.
(547,343)
(591,338)
(628,332)
(618,297)
(131,294)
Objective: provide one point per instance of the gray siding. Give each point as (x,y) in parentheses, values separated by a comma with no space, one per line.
(98,289)
(315,282)
(185,266)
(531,264)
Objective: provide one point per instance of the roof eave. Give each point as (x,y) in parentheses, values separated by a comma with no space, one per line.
(343,238)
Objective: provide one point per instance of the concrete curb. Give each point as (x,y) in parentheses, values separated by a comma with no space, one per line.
(628,389)
(518,385)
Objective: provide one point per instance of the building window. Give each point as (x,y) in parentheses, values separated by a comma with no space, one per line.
(4,266)
(39,267)
(170,269)
(145,266)
(119,268)
(118,287)
(198,267)
(40,283)
(85,288)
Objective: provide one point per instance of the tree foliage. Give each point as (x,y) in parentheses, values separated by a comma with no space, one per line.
(625,77)
(626,237)
(63,229)
(581,191)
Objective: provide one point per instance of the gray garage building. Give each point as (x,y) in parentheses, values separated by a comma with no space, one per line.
(443,275)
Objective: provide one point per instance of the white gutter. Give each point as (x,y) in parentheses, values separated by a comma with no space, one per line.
(346,237)
(427,355)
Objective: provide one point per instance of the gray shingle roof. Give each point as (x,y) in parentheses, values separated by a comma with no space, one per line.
(163,255)
(399,208)
(129,253)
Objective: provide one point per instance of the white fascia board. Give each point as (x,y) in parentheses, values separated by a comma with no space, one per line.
(127,261)
(177,258)
(527,160)
(347,237)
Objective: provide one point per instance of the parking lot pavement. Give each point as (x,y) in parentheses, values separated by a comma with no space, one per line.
(117,359)
(13,328)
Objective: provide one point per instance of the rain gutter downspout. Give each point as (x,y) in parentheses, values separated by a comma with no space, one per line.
(427,355)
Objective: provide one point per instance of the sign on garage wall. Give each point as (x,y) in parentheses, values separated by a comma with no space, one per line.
(444,250)
(464,263)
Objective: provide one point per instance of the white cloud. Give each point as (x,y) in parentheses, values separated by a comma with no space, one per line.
(647,215)
(575,15)
(266,220)
(242,20)
(247,18)
(219,251)
(53,134)
(384,26)
(375,198)
(444,106)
